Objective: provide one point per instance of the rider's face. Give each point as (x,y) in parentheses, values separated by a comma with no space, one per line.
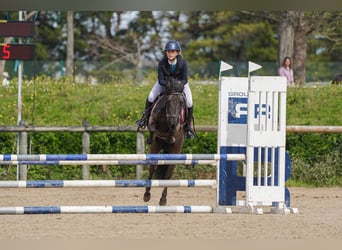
(171,54)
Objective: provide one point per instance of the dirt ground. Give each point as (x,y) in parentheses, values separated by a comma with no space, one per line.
(320,216)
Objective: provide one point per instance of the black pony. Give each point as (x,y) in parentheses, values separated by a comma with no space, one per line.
(166,125)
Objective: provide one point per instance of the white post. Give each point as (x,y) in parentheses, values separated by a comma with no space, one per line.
(20,66)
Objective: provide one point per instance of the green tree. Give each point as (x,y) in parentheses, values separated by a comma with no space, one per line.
(223,35)
(109,47)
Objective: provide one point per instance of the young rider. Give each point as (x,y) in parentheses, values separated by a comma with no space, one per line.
(172,65)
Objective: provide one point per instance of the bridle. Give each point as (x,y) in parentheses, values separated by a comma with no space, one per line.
(176,116)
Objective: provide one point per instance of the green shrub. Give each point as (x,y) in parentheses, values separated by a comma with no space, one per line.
(316,157)
(320,173)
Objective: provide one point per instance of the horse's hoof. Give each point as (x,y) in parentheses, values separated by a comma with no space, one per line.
(162,202)
(147,197)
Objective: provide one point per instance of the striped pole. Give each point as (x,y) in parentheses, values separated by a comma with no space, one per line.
(137,157)
(104,209)
(110,162)
(117,159)
(107,183)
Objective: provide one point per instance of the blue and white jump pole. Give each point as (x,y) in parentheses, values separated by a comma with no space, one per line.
(104,209)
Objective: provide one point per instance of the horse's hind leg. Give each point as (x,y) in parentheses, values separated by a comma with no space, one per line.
(163,200)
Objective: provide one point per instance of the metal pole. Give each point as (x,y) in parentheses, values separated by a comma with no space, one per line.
(20,78)
(23,150)
(85,150)
(19,99)
(140,150)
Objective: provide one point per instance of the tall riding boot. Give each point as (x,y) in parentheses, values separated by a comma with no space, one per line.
(142,123)
(189,132)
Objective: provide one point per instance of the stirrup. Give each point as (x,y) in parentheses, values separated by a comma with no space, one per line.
(142,123)
(190,133)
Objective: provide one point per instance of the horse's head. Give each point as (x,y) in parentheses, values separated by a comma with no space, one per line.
(168,116)
(174,110)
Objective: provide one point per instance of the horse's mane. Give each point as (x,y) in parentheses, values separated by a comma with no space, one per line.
(173,86)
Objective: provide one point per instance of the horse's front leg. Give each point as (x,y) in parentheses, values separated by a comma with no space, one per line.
(147,194)
(167,176)
(163,200)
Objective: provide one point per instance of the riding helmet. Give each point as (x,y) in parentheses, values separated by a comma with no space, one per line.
(172,45)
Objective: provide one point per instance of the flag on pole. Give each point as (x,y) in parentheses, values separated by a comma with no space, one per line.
(225,66)
(253,67)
